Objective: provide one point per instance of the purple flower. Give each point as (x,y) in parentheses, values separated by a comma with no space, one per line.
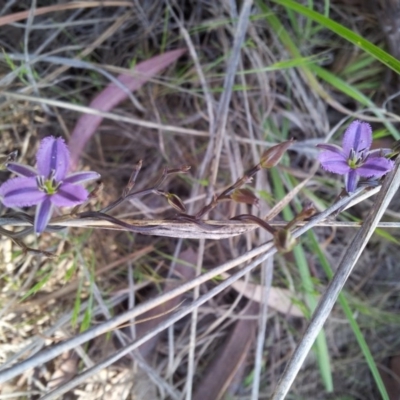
(355,158)
(48,186)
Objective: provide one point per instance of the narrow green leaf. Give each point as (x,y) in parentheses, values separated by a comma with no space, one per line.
(349,35)
(316,249)
(355,94)
(77,305)
(87,317)
(321,347)
(36,287)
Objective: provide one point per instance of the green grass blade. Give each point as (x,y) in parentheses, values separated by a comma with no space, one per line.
(354,93)
(77,305)
(310,68)
(316,249)
(349,35)
(87,316)
(321,346)
(292,48)
(37,286)
(341,85)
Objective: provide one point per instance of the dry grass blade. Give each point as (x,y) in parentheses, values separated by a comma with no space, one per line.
(390,187)
(72,286)
(170,321)
(9,19)
(266,250)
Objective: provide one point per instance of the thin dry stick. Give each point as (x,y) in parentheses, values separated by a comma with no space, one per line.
(266,282)
(328,300)
(52,352)
(9,19)
(193,326)
(37,343)
(223,106)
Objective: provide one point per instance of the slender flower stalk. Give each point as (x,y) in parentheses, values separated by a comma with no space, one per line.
(355,158)
(49,185)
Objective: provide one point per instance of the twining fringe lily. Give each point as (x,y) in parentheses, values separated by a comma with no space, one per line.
(355,159)
(49,185)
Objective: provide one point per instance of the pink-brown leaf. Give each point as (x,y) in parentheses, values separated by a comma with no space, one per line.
(112,95)
(222,370)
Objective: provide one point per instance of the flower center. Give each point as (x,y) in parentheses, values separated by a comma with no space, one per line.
(357,159)
(50,185)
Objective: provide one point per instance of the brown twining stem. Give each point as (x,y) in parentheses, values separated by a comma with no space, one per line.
(30,250)
(260,222)
(23,232)
(132,179)
(92,195)
(225,195)
(15,235)
(153,189)
(307,212)
(105,217)
(340,196)
(194,220)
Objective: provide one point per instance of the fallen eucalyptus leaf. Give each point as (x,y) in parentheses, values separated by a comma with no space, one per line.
(279,299)
(112,95)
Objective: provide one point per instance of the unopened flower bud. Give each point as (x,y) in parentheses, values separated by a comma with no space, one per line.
(245,196)
(308,211)
(273,155)
(175,202)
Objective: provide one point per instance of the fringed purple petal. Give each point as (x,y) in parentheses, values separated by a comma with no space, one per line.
(53,155)
(331,147)
(79,177)
(358,136)
(334,162)
(43,214)
(375,167)
(69,195)
(21,169)
(21,192)
(351,181)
